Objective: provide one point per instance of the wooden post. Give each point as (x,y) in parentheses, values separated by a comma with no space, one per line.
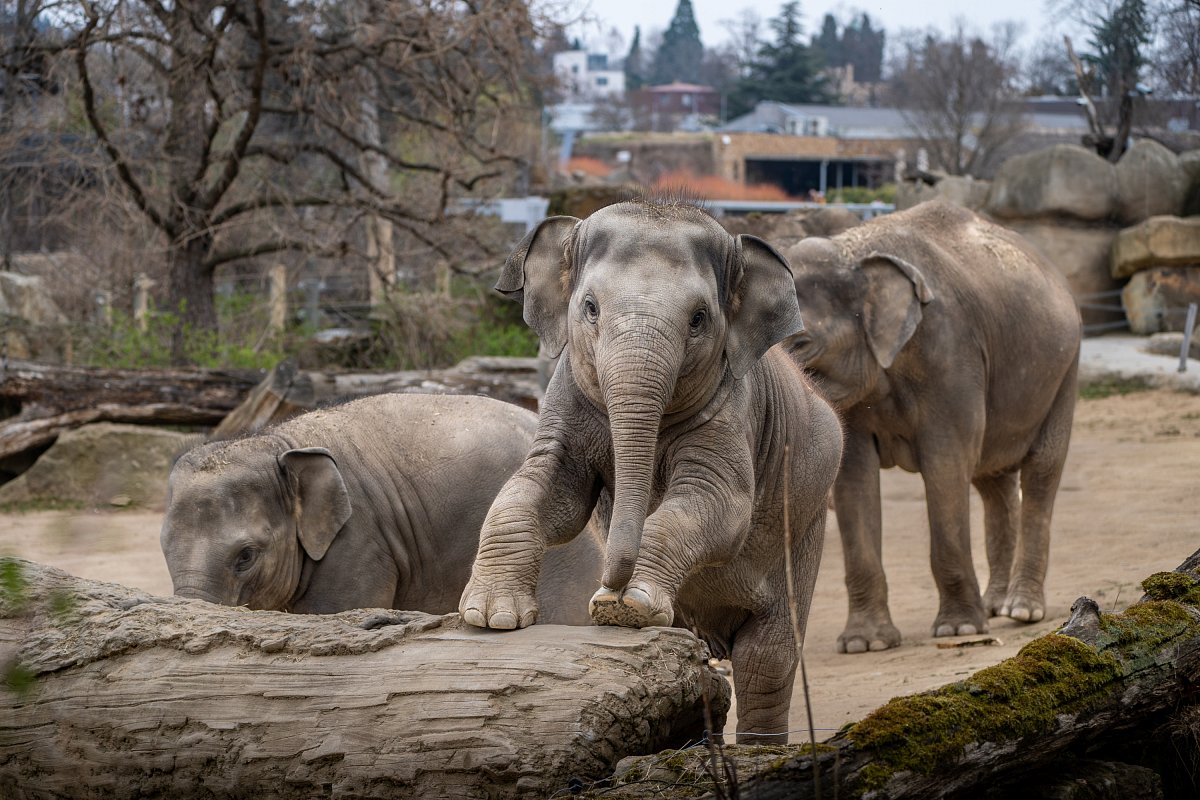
(442,272)
(104,306)
(278,298)
(141,300)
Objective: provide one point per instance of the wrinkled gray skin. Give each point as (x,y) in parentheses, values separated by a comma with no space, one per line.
(376,503)
(951,350)
(664,401)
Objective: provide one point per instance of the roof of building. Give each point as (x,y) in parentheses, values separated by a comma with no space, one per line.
(676,86)
(856,122)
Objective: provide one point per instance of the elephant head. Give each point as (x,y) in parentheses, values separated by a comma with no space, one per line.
(241,517)
(657,310)
(860,313)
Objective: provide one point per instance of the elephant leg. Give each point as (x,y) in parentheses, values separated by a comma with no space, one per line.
(1041,473)
(1001,526)
(856,501)
(687,531)
(764,661)
(960,607)
(527,515)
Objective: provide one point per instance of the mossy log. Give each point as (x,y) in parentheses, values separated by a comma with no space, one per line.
(112,693)
(1112,687)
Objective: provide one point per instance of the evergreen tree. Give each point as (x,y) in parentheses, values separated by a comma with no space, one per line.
(862,46)
(1117,41)
(786,70)
(681,53)
(829,43)
(635,71)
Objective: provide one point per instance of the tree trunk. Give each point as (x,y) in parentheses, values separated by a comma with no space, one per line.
(190,290)
(1111,687)
(117,694)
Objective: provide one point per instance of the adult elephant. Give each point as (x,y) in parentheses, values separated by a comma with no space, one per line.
(951,349)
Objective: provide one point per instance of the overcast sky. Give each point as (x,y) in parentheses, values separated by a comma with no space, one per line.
(892,15)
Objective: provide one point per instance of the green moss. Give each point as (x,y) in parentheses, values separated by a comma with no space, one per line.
(1177,586)
(1015,698)
(1023,696)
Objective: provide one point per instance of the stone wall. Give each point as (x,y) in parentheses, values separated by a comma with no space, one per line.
(1072,204)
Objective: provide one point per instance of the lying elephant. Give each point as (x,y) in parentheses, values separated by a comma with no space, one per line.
(950,348)
(664,399)
(376,503)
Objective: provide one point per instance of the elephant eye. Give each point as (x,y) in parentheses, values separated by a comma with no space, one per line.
(698,319)
(590,309)
(245,559)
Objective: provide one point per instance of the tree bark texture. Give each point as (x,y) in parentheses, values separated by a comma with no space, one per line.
(1106,686)
(288,391)
(119,694)
(41,401)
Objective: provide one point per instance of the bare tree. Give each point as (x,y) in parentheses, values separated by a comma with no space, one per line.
(957,93)
(1177,61)
(251,127)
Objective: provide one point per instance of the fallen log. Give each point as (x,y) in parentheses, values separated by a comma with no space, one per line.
(113,694)
(31,389)
(1106,686)
(288,391)
(38,402)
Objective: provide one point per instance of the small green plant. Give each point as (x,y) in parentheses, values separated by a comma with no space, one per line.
(1108,387)
(14,588)
(241,341)
(40,504)
(861,194)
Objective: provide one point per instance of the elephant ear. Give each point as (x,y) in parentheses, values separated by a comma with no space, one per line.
(321,502)
(763,309)
(896,291)
(534,276)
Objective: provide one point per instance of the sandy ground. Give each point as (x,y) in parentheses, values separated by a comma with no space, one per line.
(1129,506)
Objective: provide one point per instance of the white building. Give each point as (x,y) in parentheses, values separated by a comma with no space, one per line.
(585,76)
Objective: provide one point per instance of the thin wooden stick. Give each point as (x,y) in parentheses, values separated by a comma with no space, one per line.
(794,613)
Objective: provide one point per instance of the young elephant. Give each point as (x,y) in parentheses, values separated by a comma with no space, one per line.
(376,503)
(664,401)
(951,350)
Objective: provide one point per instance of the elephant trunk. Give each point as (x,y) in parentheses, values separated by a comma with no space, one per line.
(198,593)
(636,391)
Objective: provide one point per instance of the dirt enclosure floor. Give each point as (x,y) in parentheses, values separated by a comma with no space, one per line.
(1129,505)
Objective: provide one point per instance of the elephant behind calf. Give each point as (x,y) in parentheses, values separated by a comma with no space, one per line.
(951,349)
(376,503)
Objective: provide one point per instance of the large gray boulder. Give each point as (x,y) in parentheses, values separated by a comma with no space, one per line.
(1157,299)
(1157,242)
(1059,181)
(1149,182)
(28,316)
(103,464)
(962,190)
